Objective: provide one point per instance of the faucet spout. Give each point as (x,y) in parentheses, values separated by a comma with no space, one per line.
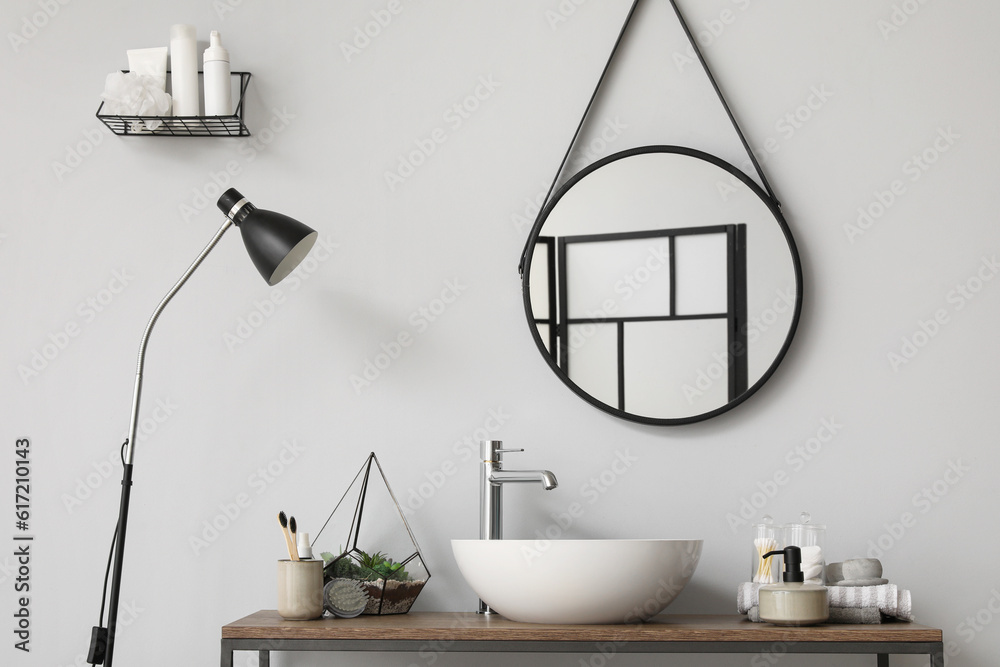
(545,477)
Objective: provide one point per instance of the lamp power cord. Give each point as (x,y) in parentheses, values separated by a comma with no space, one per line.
(99,634)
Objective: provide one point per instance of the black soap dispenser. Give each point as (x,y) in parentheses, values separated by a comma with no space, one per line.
(793,602)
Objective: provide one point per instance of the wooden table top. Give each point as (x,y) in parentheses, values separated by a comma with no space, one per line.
(470,626)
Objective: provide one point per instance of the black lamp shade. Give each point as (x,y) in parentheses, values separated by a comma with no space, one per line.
(275,242)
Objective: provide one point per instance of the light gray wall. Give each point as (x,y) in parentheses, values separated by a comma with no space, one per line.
(82,207)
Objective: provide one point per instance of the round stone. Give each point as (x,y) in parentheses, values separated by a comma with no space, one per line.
(862,568)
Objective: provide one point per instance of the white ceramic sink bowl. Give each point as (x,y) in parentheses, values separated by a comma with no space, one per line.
(577,581)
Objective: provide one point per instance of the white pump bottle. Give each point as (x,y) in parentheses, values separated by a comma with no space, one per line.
(218,90)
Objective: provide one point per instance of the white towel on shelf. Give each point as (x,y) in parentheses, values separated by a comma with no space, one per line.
(746,596)
(889,599)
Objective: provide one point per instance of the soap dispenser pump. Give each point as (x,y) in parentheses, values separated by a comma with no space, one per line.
(793,602)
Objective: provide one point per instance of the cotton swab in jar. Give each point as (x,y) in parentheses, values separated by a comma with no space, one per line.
(764,573)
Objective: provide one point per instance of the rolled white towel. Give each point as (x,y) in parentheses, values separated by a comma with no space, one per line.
(746,596)
(905,605)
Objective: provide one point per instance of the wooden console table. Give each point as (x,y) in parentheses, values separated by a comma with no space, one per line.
(434,632)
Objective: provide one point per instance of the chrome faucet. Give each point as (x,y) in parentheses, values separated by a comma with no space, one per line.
(491,480)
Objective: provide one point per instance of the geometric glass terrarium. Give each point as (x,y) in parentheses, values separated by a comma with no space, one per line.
(368,540)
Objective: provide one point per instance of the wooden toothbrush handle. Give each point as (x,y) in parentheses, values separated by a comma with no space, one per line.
(292,551)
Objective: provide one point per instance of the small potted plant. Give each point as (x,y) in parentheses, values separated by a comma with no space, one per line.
(390,587)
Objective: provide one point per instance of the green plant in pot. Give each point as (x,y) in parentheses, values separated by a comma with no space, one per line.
(391,589)
(363,566)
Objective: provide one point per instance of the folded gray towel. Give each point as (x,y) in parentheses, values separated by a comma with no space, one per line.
(866,615)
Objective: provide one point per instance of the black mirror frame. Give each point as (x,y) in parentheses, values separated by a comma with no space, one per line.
(772,205)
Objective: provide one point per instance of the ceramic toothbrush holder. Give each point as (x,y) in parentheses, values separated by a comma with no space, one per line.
(300,589)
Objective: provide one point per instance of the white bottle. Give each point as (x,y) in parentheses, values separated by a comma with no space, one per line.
(184,70)
(303,547)
(218,90)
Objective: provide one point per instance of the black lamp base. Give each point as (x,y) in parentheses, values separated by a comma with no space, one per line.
(98,646)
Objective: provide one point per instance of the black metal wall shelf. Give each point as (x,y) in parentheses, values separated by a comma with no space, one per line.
(184,126)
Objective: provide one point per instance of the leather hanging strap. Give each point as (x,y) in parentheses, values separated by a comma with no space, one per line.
(593,98)
(722,100)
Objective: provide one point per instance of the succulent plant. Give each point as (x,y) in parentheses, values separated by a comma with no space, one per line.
(368,567)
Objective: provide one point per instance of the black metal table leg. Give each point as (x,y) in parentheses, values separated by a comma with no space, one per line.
(264,658)
(883,660)
(227,653)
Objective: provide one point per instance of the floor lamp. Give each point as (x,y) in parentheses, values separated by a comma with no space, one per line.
(276,244)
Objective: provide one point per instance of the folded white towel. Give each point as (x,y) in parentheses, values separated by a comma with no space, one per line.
(889,599)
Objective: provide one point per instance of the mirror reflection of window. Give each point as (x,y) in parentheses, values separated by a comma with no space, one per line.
(628,302)
(656,376)
(593,349)
(634,274)
(702,274)
(543,292)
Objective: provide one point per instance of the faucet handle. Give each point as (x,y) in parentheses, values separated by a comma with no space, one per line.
(491,449)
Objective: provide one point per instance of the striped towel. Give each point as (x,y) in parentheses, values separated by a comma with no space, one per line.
(889,599)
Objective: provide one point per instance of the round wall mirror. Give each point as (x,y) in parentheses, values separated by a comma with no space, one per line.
(662,285)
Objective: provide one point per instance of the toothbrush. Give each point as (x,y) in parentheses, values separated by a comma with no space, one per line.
(283,520)
(295,541)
